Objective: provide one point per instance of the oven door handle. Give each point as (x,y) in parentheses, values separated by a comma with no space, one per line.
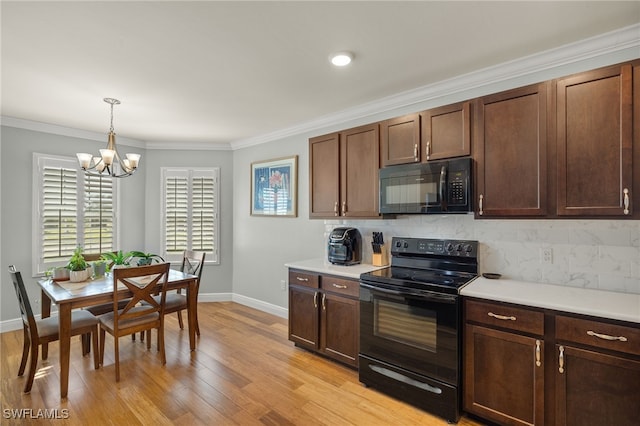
(422,295)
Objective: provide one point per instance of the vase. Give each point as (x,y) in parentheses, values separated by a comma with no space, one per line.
(79,276)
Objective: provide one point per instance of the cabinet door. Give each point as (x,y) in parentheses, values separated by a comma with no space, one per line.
(400,140)
(594,150)
(596,389)
(504,376)
(324,176)
(510,141)
(446,132)
(340,328)
(303,316)
(360,161)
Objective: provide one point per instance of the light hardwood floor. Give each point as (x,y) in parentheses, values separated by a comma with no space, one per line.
(244,372)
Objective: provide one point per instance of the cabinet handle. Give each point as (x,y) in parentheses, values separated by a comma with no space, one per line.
(606,336)
(561,360)
(501,317)
(626,200)
(415,152)
(344,208)
(428,149)
(480,212)
(315,299)
(302,279)
(335,209)
(538,363)
(324,302)
(339,286)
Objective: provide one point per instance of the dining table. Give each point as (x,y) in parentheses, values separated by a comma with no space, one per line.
(95,291)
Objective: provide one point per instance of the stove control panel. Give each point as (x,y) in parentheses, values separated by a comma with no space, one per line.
(425,246)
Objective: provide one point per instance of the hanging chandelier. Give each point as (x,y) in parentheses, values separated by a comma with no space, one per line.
(109,163)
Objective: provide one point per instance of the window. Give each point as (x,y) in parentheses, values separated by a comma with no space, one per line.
(190,212)
(71,208)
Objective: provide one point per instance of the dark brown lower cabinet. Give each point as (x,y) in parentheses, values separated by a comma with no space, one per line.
(503,368)
(596,389)
(592,378)
(324,315)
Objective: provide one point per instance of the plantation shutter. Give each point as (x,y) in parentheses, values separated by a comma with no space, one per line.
(190,212)
(59,229)
(98,214)
(203,207)
(177,213)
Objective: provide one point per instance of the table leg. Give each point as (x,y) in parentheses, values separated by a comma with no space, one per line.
(192,301)
(64,330)
(45,312)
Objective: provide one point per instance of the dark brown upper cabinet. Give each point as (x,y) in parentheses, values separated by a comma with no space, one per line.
(343,173)
(446,132)
(594,143)
(510,149)
(400,140)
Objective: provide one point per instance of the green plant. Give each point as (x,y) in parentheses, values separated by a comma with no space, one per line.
(146,258)
(117,258)
(77,262)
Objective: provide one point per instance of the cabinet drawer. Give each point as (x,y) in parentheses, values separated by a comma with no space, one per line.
(598,334)
(505,316)
(340,285)
(303,278)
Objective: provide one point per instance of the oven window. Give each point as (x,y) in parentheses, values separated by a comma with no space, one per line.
(406,324)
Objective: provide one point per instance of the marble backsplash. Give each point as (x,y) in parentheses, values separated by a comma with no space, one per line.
(597,254)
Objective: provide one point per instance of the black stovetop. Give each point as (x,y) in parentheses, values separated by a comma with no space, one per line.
(443,266)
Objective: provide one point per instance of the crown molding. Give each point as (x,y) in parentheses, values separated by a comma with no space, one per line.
(607,44)
(195,146)
(54,129)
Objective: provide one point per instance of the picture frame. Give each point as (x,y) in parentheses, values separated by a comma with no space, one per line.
(274,187)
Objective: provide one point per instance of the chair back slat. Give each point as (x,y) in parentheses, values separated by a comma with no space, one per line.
(192,263)
(23,299)
(143,282)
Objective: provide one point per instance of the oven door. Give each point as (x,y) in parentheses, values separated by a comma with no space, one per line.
(416,331)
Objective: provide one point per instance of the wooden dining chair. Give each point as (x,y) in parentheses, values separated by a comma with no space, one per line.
(43,331)
(142,282)
(192,262)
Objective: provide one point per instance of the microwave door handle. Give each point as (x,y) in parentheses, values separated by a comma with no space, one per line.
(443,181)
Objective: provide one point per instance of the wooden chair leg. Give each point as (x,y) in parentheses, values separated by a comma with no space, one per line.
(45,350)
(180,320)
(32,367)
(117,357)
(148,338)
(102,335)
(25,351)
(96,354)
(163,356)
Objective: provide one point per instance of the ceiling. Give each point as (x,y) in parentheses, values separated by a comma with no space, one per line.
(226,72)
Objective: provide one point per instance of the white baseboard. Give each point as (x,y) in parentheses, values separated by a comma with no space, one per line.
(16,323)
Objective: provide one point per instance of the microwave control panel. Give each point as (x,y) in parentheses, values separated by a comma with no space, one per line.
(457,187)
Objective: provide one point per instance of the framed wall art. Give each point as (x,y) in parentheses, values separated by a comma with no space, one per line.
(274,188)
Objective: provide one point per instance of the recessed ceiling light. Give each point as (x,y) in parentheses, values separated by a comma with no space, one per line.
(341,59)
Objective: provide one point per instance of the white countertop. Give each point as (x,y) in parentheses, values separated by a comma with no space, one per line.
(599,303)
(324,267)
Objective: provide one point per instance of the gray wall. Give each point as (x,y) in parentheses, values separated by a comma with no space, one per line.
(139,203)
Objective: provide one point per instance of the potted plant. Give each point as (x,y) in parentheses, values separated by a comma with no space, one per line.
(99,267)
(146,258)
(78,267)
(117,259)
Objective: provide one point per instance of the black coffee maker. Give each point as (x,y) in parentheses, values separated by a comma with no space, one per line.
(345,246)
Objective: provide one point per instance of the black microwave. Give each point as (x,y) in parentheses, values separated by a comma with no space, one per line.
(435,187)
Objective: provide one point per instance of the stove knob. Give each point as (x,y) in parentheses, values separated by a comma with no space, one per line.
(458,247)
(406,244)
(449,247)
(468,248)
(398,244)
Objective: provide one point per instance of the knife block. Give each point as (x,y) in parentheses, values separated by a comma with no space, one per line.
(382,258)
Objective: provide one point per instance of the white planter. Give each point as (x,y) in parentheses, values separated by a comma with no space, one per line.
(78,276)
